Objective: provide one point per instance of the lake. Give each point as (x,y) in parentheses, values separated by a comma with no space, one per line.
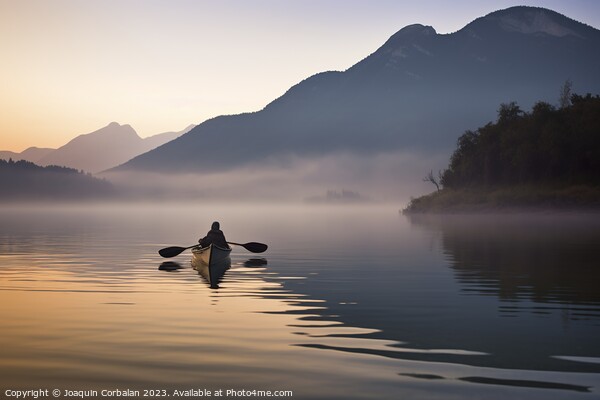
(348,302)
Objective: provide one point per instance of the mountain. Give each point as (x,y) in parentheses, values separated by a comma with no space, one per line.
(32,154)
(416,93)
(162,138)
(105,148)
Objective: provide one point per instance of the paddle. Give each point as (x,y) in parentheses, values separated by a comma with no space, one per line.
(173,251)
(252,247)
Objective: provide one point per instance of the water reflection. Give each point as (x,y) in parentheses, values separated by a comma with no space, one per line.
(549,260)
(170,266)
(353,304)
(539,271)
(325,327)
(542,269)
(508,382)
(213,273)
(255,262)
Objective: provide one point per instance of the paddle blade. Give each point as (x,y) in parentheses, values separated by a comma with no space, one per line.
(255,247)
(169,252)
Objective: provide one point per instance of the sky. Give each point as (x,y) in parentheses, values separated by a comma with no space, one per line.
(70,67)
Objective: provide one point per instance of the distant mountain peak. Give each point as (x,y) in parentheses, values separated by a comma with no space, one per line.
(416,30)
(114,129)
(408,41)
(409,35)
(117,126)
(532,20)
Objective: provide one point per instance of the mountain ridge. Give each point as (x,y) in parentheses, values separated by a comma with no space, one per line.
(31,154)
(106,147)
(532,20)
(95,141)
(389,67)
(417,92)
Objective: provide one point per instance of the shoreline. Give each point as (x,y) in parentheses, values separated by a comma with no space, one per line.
(507,200)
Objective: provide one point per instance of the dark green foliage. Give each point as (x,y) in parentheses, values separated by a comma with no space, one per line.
(26,181)
(548,146)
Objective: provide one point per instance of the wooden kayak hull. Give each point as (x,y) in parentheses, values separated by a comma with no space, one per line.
(211,262)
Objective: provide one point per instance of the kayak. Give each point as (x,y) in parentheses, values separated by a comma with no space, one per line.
(211,262)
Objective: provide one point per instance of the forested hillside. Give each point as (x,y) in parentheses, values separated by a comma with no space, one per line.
(549,157)
(560,146)
(26,181)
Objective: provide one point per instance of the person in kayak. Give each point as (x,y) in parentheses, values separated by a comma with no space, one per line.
(215,236)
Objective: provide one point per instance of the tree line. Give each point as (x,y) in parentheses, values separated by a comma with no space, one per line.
(549,145)
(24,180)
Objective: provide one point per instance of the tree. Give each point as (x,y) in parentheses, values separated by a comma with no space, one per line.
(546,146)
(509,112)
(433,179)
(564,99)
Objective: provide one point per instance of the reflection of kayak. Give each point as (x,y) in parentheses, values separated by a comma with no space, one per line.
(211,262)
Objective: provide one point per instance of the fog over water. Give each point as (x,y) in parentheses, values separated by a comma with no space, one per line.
(386,177)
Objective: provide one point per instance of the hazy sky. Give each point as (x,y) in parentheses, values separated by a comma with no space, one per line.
(73,66)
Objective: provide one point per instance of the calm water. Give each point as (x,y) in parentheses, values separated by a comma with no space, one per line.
(346,303)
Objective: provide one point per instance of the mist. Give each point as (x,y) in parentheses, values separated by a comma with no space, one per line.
(385,177)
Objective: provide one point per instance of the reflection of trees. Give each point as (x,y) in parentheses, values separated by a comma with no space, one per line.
(541,258)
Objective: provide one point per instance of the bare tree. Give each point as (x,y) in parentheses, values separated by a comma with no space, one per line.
(433,179)
(565,94)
